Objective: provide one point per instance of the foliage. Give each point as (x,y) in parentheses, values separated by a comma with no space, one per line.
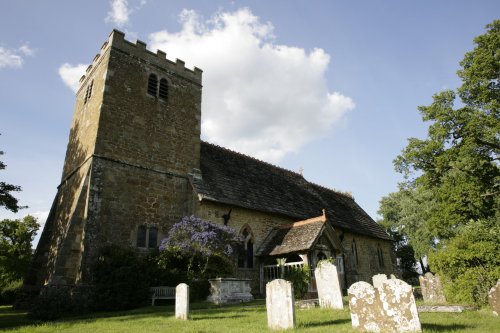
(299,277)
(120,279)
(54,303)
(470,262)
(458,161)
(15,247)
(7,200)
(9,291)
(198,248)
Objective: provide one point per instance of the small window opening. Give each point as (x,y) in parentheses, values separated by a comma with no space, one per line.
(380,256)
(152,84)
(245,250)
(354,250)
(141,236)
(163,92)
(152,237)
(88,92)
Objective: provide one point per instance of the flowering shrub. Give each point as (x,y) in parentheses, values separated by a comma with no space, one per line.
(200,248)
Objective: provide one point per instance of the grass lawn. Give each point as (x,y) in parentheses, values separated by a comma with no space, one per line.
(239,318)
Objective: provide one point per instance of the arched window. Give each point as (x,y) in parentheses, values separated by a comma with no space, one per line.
(163,92)
(380,256)
(354,250)
(152,85)
(245,251)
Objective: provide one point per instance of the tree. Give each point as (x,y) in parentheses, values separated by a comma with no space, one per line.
(7,200)
(470,262)
(404,214)
(458,161)
(15,247)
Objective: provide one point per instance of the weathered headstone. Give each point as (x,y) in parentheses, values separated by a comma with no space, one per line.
(366,310)
(391,308)
(378,280)
(182,301)
(393,276)
(494,298)
(399,305)
(280,304)
(432,290)
(328,286)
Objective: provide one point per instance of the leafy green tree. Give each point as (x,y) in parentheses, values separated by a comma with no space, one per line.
(15,247)
(458,161)
(470,262)
(7,200)
(404,214)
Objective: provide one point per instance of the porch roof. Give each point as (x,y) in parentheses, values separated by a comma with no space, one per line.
(292,238)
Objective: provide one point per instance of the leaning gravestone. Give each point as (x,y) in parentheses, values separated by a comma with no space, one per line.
(328,286)
(494,298)
(182,301)
(431,287)
(378,280)
(280,304)
(391,308)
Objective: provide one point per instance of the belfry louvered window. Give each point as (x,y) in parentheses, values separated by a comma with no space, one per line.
(163,93)
(152,84)
(88,92)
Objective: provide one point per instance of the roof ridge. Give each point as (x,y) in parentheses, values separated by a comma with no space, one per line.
(254,158)
(321,218)
(347,194)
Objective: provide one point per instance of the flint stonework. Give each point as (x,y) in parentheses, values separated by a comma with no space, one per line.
(280,305)
(431,287)
(328,286)
(182,301)
(494,298)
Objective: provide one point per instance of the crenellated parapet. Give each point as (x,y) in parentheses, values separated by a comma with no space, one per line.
(139,50)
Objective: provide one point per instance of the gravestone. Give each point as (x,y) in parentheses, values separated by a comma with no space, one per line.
(280,304)
(378,280)
(391,308)
(328,286)
(494,298)
(399,305)
(182,301)
(367,313)
(393,276)
(431,288)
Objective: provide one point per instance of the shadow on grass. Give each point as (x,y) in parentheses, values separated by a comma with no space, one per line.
(216,317)
(325,323)
(446,328)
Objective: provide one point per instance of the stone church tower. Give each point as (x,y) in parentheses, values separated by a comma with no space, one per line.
(134,139)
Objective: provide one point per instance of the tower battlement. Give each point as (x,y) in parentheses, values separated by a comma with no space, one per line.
(139,50)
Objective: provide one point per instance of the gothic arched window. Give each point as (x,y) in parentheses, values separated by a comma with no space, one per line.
(354,250)
(245,251)
(380,256)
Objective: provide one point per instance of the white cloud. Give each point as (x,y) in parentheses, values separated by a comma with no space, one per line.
(259,97)
(71,74)
(119,13)
(14,57)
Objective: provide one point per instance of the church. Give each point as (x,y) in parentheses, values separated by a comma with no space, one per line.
(135,165)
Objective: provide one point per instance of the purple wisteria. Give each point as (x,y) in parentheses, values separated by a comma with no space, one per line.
(193,235)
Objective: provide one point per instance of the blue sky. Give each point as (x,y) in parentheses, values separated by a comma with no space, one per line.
(330,87)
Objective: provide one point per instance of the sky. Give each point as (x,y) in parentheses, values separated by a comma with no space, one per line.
(327,88)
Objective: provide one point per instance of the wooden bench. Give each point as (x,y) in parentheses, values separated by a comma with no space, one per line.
(161,292)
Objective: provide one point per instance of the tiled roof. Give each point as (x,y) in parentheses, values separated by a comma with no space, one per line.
(236,179)
(290,238)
